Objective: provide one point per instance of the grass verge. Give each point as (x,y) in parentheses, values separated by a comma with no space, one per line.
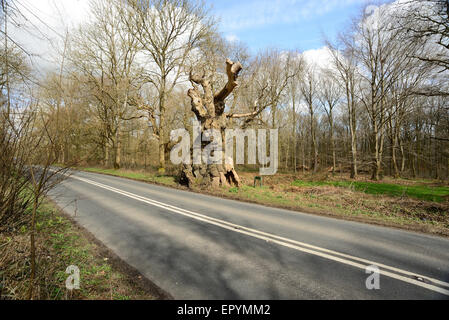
(62,243)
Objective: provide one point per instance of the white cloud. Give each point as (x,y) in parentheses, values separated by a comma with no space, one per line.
(232,37)
(321,58)
(42,23)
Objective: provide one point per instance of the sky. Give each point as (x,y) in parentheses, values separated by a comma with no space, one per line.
(285,24)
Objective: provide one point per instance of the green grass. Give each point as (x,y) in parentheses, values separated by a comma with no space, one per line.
(421,192)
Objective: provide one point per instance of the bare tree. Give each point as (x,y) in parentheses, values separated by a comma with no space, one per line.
(329,97)
(346,66)
(209,109)
(104,53)
(168,31)
(309,92)
(43,177)
(426,23)
(380,53)
(294,92)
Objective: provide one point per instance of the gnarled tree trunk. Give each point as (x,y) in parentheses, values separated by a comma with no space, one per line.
(209,110)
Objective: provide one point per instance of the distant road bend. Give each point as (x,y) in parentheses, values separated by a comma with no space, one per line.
(201,247)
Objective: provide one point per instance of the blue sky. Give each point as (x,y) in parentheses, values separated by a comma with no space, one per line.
(286,24)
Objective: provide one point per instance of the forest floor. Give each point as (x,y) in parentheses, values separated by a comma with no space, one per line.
(60,243)
(419,205)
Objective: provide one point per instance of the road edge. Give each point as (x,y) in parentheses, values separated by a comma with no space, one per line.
(144,283)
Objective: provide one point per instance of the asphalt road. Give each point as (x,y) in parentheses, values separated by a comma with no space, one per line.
(201,247)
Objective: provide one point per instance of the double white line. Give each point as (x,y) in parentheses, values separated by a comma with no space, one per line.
(392,272)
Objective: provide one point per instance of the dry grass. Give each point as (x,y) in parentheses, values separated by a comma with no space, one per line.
(339,201)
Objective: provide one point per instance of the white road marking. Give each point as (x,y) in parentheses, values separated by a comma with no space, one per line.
(293,244)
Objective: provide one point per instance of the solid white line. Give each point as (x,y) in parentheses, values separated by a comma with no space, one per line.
(293,244)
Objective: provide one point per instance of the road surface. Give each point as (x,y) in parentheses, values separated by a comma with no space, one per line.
(201,247)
